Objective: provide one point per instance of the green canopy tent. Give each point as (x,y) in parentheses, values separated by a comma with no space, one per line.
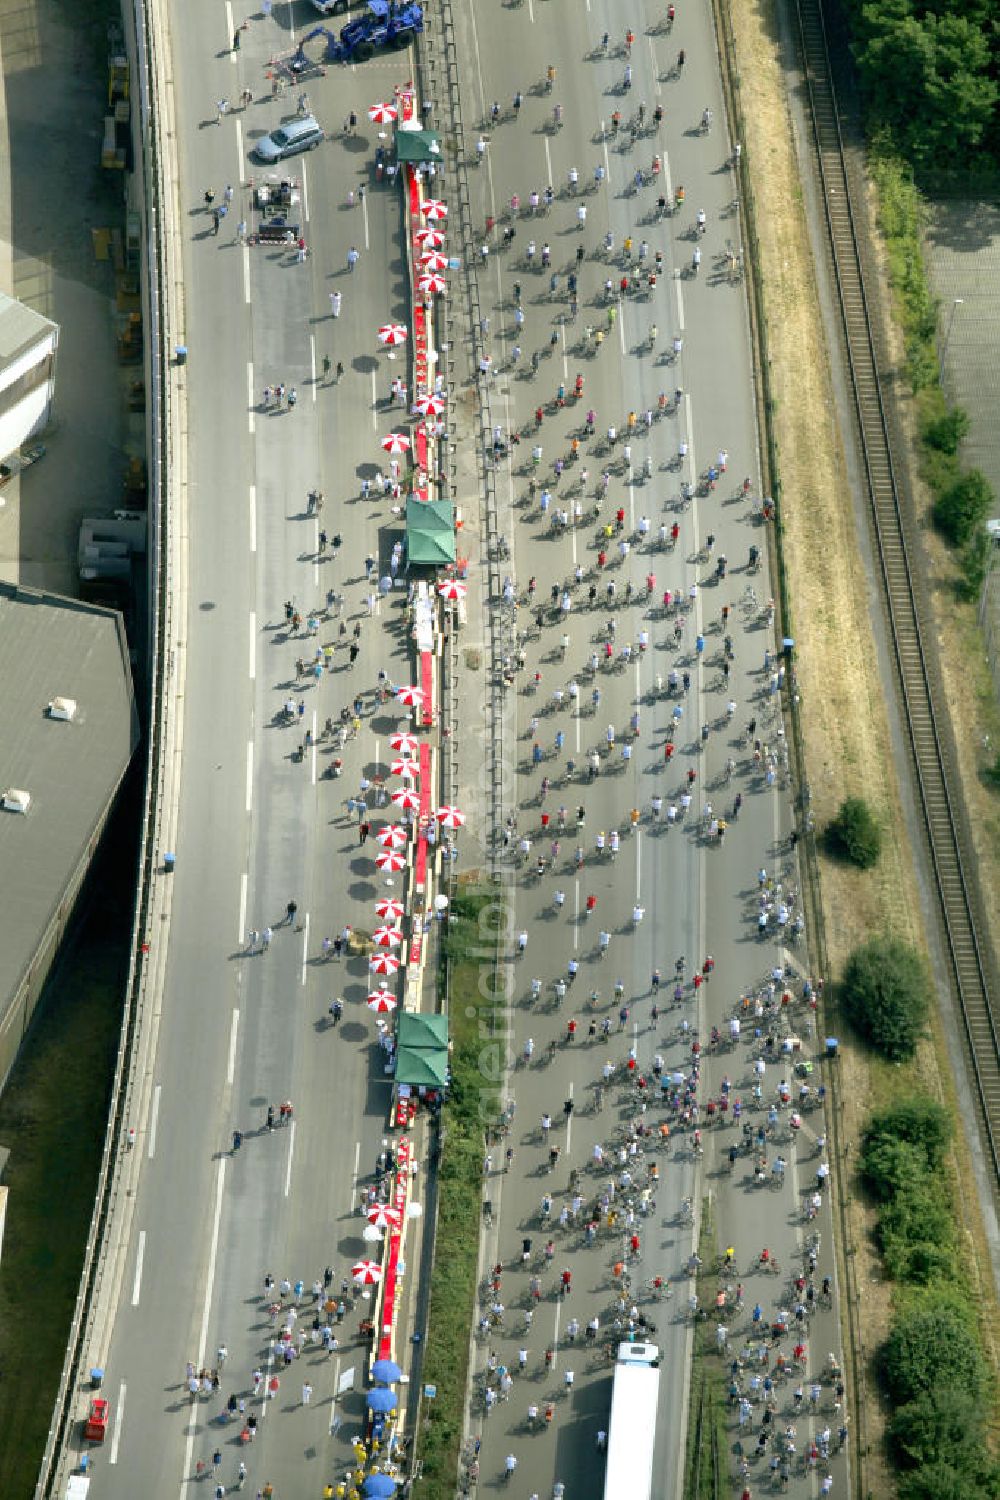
(430,533)
(417,147)
(422,1051)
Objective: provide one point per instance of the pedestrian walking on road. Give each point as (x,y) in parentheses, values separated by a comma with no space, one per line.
(335,303)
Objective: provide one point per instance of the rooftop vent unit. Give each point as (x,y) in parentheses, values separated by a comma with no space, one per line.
(15,800)
(63,708)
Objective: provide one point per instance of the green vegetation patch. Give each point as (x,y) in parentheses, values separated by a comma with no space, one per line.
(886,994)
(478,1020)
(854,835)
(961,498)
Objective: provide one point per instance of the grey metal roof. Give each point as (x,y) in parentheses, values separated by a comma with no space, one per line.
(20,328)
(53,647)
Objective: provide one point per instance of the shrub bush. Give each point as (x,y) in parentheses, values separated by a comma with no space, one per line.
(934,1428)
(946,431)
(919,1122)
(960,510)
(932,1348)
(977,1480)
(916,1233)
(887,1165)
(854,834)
(886,996)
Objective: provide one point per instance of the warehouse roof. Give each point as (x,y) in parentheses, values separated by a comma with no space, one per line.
(55,648)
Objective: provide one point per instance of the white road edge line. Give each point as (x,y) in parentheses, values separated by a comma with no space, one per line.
(213,1255)
(246,275)
(154,1116)
(140,1252)
(116,1435)
(234,1027)
(251,414)
(230,30)
(291,1153)
(241,934)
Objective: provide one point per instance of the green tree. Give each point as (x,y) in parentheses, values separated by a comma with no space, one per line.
(887,1165)
(916,1233)
(944,433)
(943,1481)
(927,78)
(959,512)
(919,1122)
(854,834)
(936,1429)
(886,995)
(932,1348)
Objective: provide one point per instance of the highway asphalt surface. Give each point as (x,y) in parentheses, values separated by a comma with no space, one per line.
(699,896)
(258,827)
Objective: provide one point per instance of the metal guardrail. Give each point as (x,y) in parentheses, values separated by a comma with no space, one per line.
(108,1184)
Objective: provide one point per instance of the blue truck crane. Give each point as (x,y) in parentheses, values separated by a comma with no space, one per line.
(386,23)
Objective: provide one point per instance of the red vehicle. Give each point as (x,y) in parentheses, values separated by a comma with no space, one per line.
(95,1429)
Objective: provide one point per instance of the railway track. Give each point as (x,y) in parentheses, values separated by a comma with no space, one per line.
(951,856)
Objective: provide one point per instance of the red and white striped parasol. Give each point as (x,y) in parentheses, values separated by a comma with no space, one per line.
(406,797)
(383,114)
(392,836)
(366,1272)
(383,1216)
(433,260)
(383,963)
(406,768)
(392,333)
(450,817)
(391,861)
(452,588)
(387,937)
(389,909)
(396,442)
(411,696)
(406,744)
(434,210)
(429,406)
(382,1001)
(431,237)
(431,281)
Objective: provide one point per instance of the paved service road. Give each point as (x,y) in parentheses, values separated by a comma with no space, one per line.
(258,826)
(675,894)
